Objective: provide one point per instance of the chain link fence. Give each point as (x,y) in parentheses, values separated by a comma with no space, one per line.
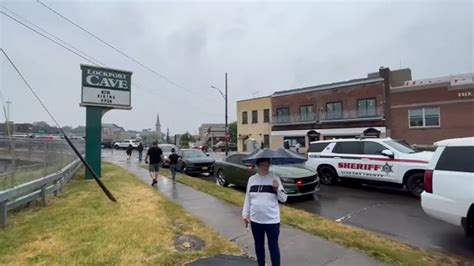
(26,159)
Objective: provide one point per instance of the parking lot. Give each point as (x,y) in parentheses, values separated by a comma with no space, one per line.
(391,212)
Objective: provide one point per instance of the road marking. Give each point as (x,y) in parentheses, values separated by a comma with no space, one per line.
(348,216)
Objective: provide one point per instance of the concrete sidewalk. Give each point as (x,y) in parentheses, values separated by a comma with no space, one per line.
(297,247)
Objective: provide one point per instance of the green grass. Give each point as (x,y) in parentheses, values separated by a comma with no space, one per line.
(82,226)
(23,175)
(381,248)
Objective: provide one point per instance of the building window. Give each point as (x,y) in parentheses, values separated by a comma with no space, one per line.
(306,113)
(266,116)
(283,114)
(266,141)
(334,110)
(254,117)
(244,118)
(291,142)
(424,117)
(366,107)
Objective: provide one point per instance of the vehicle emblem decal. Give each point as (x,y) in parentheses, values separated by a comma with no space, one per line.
(387,168)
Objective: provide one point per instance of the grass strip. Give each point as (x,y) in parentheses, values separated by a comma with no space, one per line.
(381,248)
(82,227)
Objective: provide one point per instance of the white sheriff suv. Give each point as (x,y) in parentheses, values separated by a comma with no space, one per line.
(384,161)
(449,182)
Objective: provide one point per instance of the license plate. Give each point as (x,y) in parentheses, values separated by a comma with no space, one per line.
(204,168)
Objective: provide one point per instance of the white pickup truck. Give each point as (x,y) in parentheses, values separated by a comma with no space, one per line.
(449,183)
(124,143)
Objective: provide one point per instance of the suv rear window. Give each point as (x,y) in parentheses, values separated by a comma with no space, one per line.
(317,147)
(349,147)
(458,159)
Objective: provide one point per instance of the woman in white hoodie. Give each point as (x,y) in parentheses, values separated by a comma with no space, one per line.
(262,212)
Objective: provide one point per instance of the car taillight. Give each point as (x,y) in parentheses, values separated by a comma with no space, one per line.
(429,181)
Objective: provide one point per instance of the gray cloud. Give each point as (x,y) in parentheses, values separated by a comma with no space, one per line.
(264,46)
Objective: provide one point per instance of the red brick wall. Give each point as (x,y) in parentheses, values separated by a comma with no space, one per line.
(348,95)
(456,115)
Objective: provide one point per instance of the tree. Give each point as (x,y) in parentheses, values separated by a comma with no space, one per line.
(185,139)
(233,132)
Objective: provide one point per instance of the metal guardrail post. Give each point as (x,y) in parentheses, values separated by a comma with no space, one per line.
(3,213)
(55,183)
(43,196)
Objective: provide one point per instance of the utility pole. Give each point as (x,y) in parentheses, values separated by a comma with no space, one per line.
(226,134)
(8,109)
(226,122)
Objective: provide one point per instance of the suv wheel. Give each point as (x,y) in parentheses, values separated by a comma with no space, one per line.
(327,175)
(220,179)
(116,147)
(416,184)
(469,229)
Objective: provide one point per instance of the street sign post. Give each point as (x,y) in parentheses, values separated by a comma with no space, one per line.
(103,89)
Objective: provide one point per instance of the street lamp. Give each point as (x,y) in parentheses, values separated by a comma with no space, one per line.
(224,95)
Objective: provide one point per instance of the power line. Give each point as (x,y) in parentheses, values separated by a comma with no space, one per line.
(84,55)
(56,42)
(97,62)
(113,47)
(99,182)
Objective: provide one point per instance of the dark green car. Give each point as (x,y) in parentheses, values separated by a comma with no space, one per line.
(296,179)
(195,162)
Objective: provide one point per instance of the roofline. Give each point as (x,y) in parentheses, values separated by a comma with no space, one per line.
(257,98)
(326,87)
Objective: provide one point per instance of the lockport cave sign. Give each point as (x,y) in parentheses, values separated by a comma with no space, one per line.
(106,87)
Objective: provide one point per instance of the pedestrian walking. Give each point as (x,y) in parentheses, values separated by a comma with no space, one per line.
(129,151)
(140,151)
(297,147)
(156,157)
(262,145)
(173,161)
(262,212)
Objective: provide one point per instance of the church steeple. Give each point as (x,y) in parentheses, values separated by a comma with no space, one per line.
(158,125)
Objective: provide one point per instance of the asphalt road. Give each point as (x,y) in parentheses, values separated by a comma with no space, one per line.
(391,212)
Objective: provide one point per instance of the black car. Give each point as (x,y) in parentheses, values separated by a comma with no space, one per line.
(196,162)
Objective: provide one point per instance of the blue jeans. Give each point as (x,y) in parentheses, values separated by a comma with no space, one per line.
(272,231)
(140,156)
(174,168)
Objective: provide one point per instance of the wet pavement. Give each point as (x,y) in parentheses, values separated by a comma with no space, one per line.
(297,247)
(391,212)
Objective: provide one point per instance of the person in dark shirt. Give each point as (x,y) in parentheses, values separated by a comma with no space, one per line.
(140,151)
(173,160)
(129,151)
(156,157)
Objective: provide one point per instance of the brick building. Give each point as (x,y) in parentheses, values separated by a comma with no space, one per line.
(425,111)
(336,110)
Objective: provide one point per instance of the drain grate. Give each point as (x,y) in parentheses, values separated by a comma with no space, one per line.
(185,243)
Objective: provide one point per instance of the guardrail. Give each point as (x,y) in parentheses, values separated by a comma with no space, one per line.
(25,193)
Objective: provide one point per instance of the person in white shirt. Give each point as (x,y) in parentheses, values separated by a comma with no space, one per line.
(262,212)
(297,147)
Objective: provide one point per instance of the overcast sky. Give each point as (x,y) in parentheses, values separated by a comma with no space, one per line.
(264,46)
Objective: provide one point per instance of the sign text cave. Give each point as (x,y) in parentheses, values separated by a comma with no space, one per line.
(106,87)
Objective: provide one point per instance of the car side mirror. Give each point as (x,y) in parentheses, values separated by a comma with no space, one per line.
(388,153)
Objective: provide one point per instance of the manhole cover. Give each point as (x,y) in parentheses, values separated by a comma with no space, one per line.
(188,243)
